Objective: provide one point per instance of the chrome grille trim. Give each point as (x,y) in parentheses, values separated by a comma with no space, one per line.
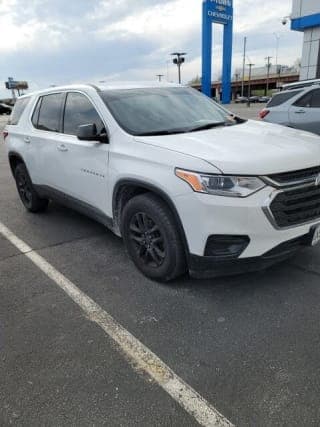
(269,214)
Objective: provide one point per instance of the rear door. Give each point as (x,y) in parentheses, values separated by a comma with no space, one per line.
(305,112)
(18,137)
(46,122)
(82,165)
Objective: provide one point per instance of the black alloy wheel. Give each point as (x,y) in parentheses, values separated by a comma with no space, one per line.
(152,238)
(148,240)
(24,188)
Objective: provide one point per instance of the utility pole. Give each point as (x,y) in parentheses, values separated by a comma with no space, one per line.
(277,36)
(179,60)
(249,83)
(243,64)
(160,76)
(237,75)
(268,73)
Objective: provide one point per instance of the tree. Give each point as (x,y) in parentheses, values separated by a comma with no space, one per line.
(195,81)
(297,64)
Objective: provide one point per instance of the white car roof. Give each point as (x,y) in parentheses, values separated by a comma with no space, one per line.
(301,84)
(106,86)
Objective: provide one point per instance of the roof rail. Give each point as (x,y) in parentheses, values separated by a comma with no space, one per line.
(300,84)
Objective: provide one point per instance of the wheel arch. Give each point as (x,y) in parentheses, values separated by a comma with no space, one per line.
(125,189)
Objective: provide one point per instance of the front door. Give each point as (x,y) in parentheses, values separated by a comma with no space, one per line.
(82,166)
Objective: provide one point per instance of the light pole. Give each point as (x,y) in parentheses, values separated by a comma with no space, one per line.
(168,76)
(268,74)
(243,64)
(160,76)
(179,60)
(249,83)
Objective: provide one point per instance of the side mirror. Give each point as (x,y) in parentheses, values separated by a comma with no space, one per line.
(88,132)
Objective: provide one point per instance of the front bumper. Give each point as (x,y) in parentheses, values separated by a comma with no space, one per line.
(202,267)
(205,215)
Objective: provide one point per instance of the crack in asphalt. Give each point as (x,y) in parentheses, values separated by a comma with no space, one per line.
(54,245)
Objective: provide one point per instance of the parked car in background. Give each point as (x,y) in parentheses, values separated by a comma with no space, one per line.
(264,99)
(188,185)
(254,99)
(5,109)
(296,108)
(241,100)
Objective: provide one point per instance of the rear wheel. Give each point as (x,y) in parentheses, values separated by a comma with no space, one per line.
(152,238)
(27,193)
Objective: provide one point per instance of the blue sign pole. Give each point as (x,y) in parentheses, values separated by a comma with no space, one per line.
(220,12)
(227,62)
(206,51)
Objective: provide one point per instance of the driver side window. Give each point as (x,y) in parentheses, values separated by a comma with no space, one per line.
(80,111)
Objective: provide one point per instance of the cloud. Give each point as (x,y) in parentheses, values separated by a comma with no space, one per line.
(52,42)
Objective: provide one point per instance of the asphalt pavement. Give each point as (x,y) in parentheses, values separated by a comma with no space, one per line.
(249,344)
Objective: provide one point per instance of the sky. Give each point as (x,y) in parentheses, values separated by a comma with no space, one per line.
(53,42)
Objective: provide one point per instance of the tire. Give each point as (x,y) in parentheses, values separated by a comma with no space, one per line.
(152,238)
(29,197)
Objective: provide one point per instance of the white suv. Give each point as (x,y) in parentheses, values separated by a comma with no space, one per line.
(296,108)
(188,185)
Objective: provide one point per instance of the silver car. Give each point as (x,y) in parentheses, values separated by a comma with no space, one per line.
(296,108)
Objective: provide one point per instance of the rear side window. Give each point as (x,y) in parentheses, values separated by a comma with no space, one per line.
(310,100)
(18,109)
(315,103)
(281,98)
(49,115)
(80,111)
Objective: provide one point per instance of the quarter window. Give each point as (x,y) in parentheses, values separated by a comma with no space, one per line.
(80,111)
(50,112)
(18,109)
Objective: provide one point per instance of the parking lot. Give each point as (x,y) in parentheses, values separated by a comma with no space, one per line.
(246,346)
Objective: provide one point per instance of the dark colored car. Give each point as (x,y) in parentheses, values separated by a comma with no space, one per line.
(5,109)
(241,100)
(264,99)
(254,99)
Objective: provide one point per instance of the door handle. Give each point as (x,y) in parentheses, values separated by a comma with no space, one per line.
(62,147)
(300,112)
(27,140)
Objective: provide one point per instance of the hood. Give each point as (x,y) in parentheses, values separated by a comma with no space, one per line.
(252,148)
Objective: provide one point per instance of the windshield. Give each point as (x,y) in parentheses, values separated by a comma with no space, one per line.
(163,111)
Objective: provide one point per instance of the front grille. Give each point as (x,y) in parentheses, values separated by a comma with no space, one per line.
(297,206)
(288,178)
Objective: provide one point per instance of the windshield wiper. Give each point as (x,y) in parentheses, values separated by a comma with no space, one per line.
(162,132)
(185,130)
(206,126)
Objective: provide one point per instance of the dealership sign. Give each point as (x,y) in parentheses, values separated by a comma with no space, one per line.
(13,84)
(219,11)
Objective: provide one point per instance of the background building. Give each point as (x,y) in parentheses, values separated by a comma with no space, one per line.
(306,17)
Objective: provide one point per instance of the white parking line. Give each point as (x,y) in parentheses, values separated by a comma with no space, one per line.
(142,358)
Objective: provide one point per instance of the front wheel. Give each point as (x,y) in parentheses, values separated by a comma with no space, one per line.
(152,238)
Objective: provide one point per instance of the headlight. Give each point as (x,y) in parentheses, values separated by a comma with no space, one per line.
(221,185)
